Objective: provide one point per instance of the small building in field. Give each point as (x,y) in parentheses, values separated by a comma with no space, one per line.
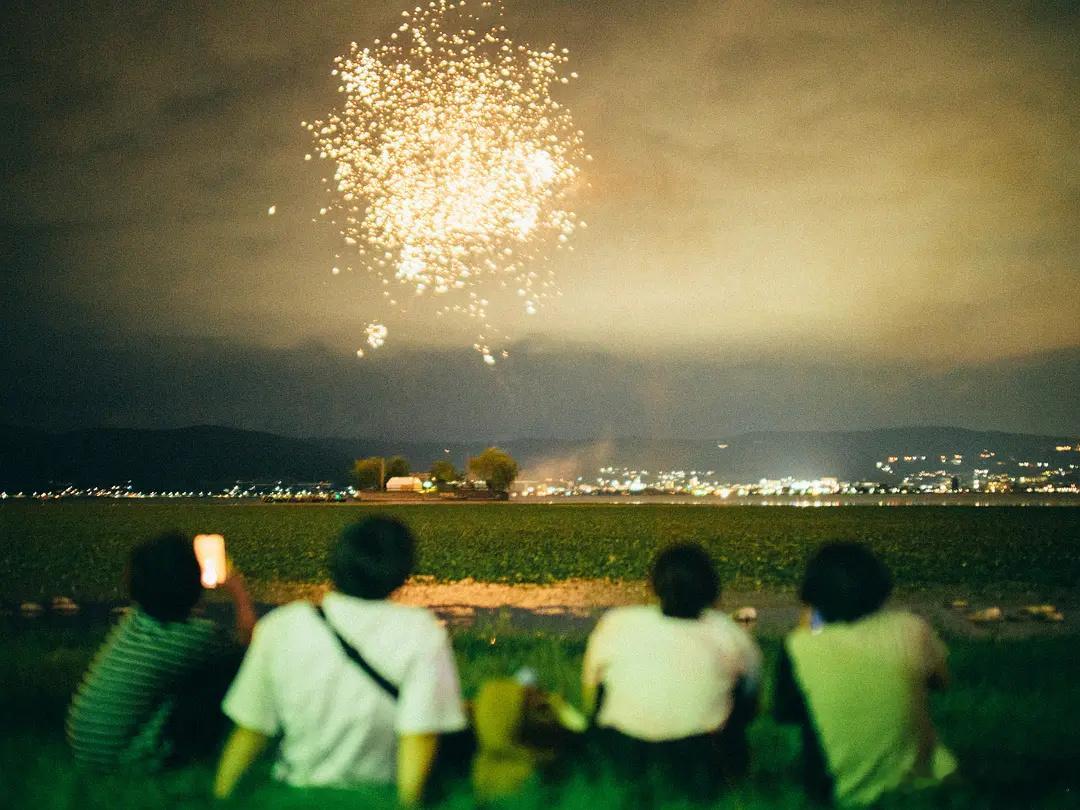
(404,483)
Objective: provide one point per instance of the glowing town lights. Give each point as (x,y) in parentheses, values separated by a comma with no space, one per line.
(453,164)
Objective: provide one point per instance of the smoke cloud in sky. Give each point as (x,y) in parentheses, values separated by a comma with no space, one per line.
(775,185)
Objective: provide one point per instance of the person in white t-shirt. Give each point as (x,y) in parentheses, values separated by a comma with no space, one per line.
(674,684)
(358,691)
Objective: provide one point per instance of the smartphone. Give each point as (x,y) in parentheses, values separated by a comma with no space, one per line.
(210,552)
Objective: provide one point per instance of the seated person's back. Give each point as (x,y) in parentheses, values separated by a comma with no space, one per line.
(675,683)
(121,712)
(859,682)
(358,688)
(666,677)
(338,726)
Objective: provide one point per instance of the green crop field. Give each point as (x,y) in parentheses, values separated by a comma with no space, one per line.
(1006,716)
(79,548)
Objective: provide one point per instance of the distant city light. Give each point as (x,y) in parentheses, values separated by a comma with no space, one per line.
(1020,476)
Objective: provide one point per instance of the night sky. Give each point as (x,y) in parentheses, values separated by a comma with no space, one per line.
(800,216)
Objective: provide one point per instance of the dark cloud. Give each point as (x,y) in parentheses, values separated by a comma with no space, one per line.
(65,380)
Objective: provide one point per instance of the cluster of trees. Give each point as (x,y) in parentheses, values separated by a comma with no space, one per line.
(495,467)
(373,472)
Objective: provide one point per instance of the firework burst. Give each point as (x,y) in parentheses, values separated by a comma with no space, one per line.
(454,164)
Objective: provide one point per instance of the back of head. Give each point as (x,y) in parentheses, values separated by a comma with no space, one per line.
(684,577)
(845,581)
(163,577)
(372,558)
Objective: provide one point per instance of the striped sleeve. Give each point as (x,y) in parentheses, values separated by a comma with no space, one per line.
(120,708)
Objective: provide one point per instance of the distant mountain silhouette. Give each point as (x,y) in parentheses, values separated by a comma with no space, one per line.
(204,457)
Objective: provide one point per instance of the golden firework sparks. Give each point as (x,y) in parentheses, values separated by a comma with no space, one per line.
(376,335)
(453,162)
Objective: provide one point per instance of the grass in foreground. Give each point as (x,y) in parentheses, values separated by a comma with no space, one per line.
(1010,717)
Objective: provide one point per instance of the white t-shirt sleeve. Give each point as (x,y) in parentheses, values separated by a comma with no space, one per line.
(429,699)
(741,655)
(597,651)
(750,655)
(250,700)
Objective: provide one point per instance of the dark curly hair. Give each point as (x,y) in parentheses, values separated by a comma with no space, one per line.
(845,581)
(684,577)
(372,558)
(163,577)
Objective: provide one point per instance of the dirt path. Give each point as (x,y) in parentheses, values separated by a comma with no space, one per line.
(574,605)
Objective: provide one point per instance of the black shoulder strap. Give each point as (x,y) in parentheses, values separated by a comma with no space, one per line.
(355,656)
(598,704)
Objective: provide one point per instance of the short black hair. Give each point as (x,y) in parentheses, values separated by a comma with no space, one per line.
(372,558)
(684,577)
(845,581)
(164,578)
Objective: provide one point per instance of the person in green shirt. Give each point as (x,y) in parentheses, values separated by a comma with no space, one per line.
(148,695)
(856,677)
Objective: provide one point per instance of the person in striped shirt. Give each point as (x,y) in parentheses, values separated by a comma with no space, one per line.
(143,701)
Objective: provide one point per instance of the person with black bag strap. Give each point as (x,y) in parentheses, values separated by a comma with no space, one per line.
(455,749)
(360,689)
(354,655)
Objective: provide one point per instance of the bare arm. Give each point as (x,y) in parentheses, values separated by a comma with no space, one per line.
(241,750)
(591,671)
(589,692)
(937,659)
(244,609)
(567,715)
(416,755)
(939,679)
